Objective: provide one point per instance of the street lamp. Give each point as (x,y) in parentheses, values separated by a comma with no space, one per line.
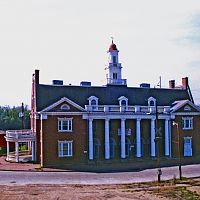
(179,149)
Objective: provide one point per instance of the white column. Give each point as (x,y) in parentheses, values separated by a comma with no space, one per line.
(17,151)
(123,147)
(8,150)
(153,145)
(91,153)
(138,139)
(170,140)
(107,139)
(167,144)
(33,150)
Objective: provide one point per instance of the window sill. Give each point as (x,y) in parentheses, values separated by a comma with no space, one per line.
(65,156)
(65,131)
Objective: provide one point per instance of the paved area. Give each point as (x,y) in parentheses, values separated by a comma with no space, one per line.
(89,178)
(24,173)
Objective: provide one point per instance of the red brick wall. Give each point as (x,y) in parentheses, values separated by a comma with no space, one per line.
(194,133)
(51,137)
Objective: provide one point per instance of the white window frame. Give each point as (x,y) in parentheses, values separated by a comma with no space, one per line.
(187,123)
(69,124)
(69,149)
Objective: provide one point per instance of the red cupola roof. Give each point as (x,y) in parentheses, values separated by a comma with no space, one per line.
(113,47)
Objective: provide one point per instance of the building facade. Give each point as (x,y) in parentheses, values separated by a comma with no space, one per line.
(114,123)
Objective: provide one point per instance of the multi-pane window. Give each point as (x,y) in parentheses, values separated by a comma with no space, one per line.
(187,123)
(65,148)
(65,124)
(187,146)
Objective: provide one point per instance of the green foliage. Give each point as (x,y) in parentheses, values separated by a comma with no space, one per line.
(23,148)
(10,120)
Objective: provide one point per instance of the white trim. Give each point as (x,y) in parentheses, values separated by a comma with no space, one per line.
(122,98)
(63,113)
(183,103)
(43,116)
(62,100)
(151,99)
(167,141)
(91,140)
(120,116)
(107,139)
(138,138)
(186,113)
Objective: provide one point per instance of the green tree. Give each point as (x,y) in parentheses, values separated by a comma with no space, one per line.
(10,120)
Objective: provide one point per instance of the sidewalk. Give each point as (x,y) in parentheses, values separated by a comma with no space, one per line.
(12,166)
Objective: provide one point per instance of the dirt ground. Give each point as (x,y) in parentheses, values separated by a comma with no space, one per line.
(186,189)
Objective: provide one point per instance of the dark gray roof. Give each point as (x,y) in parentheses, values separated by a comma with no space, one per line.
(49,94)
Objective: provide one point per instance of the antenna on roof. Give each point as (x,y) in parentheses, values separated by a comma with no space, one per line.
(159,83)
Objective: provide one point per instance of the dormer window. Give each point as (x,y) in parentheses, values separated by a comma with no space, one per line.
(65,107)
(123,103)
(152,104)
(93,102)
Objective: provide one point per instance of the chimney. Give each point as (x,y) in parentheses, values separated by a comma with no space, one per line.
(172,84)
(37,76)
(185,83)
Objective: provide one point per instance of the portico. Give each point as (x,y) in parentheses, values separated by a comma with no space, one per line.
(20,136)
(135,133)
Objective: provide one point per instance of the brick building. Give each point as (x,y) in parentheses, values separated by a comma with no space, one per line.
(114,123)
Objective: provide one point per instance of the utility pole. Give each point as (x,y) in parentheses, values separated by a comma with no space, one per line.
(157,138)
(179,150)
(21,115)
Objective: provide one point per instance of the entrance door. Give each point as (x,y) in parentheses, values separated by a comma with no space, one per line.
(187,146)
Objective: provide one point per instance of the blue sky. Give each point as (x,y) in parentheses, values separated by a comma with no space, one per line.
(68,40)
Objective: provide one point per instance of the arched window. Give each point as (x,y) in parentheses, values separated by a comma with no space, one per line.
(112,147)
(93,102)
(97,145)
(187,108)
(65,107)
(151,101)
(127,146)
(123,103)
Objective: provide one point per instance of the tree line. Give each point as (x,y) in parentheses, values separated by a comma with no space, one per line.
(10,118)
